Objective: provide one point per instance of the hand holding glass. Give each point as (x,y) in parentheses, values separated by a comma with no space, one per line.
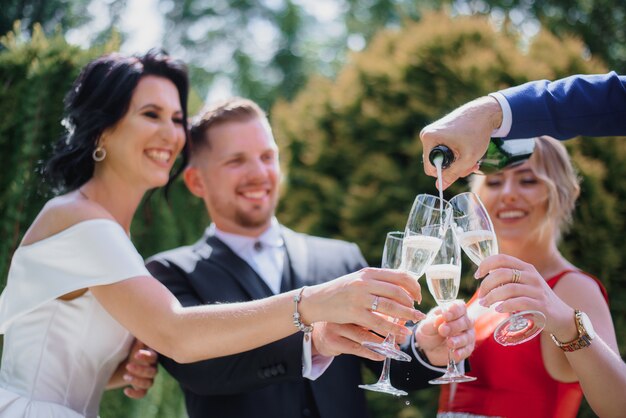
(392,258)
(443,277)
(475,233)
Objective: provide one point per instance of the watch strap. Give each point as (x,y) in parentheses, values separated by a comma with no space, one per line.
(583,340)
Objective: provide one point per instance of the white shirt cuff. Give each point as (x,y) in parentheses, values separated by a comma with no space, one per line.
(313,366)
(507,116)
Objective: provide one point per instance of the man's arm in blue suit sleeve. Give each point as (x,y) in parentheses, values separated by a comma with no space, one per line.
(276,362)
(589,105)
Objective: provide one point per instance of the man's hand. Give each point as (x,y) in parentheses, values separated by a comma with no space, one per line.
(466,131)
(446,329)
(331,339)
(141,368)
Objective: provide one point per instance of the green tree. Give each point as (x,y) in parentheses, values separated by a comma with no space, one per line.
(352,156)
(52,16)
(267,50)
(600,24)
(35,76)
(49,14)
(255,46)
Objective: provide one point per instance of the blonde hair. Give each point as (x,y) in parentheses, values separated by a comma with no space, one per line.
(551,163)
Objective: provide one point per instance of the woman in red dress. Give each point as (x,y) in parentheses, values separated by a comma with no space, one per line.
(576,354)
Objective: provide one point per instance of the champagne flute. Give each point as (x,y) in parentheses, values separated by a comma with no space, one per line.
(421,240)
(443,277)
(392,258)
(475,233)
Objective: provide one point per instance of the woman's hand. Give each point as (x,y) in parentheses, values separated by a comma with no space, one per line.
(527,291)
(445,329)
(370,298)
(330,339)
(140,370)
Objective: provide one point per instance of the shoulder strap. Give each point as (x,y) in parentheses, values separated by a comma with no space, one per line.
(556,278)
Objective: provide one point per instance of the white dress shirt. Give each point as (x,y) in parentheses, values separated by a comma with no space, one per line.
(507,116)
(266,255)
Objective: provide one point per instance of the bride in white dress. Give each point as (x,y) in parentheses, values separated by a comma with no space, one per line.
(78,290)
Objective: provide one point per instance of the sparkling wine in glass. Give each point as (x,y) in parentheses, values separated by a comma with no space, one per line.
(392,258)
(421,240)
(474,230)
(443,277)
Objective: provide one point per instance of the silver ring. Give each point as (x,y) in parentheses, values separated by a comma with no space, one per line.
(516,276)
(375,303)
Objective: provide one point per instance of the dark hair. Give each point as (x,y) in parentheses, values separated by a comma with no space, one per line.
(235,109)
(98,99)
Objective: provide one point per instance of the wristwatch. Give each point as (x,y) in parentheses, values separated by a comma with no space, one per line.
(585,333)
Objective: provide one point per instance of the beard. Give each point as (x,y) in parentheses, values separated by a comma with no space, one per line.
(256,219)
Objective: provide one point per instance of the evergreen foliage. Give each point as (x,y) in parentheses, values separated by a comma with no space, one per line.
(51,14)
(35,76)
(599,23)
(351,150)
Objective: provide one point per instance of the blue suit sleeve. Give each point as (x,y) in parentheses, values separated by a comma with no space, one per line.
(589,105)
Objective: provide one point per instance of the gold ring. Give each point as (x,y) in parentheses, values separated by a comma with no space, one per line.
(516,276)
(375,303)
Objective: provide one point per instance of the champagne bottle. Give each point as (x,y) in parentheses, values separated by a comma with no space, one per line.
(500,154)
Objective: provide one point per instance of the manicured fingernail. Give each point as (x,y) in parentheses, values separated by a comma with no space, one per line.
(127,377)
(481,302)
(498,308)
(419,315)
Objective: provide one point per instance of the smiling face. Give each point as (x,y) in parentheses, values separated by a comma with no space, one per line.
(142,147)
(237,176)
(517,202)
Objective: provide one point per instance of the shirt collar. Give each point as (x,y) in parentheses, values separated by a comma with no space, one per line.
(271,237)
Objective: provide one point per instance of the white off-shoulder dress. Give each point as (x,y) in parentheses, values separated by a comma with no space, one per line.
(59,355)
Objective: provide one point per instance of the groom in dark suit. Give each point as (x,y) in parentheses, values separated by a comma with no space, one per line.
(246,254)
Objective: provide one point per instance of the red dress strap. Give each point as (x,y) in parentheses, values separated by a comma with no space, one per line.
(556,278)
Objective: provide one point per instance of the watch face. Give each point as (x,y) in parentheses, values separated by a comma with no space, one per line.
(584,319)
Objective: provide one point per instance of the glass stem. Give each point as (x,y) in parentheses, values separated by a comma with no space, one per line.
(452,369)
(390,339)
(384,375)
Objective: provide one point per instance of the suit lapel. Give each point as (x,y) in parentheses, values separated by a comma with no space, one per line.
(298,257)
(247,278)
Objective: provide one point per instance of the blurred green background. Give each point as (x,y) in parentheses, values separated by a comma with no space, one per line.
(348,85)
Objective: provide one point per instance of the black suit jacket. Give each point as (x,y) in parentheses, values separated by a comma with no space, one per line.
(267,381)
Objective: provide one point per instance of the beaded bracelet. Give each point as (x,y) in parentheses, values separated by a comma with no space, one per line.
(307,329)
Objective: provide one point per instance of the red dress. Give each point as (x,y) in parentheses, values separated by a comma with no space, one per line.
(512,381)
